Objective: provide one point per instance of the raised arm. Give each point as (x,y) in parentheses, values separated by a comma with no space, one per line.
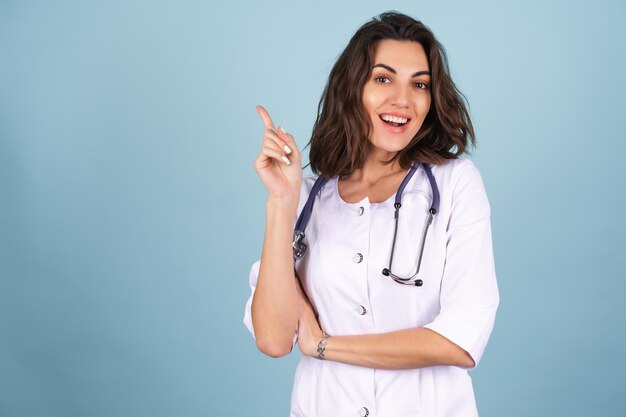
(276,305)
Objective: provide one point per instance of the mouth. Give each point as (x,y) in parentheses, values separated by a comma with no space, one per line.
(394,121)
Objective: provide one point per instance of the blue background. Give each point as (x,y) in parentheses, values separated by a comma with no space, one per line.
(130,213)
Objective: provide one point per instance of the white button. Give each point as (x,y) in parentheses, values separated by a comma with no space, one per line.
(361,310)
(361,210)
(364,412)
(358,258)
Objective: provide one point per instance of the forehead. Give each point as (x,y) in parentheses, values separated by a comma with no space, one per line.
(400,55)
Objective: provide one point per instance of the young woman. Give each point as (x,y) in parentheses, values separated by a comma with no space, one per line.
(394,296)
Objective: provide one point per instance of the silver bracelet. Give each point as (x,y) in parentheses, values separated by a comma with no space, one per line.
(321,346)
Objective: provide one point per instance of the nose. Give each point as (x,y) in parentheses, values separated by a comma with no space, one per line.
(400,96)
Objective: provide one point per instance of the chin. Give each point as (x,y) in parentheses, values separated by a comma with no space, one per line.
(390,148)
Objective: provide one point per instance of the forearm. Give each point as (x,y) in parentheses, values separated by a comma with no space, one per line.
(276,305)
(402,349)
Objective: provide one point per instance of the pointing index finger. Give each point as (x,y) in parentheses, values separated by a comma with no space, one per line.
(265,116)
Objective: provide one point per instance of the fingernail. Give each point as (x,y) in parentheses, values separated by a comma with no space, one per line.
(287,149)
(287,161)
(281,129)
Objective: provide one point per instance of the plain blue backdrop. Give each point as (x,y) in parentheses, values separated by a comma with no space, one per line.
(130,213)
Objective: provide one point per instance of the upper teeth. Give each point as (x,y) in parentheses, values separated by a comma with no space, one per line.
(389,118)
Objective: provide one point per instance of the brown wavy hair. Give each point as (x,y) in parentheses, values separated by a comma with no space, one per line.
(339,142)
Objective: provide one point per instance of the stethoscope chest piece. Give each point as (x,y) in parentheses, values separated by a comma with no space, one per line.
(298,247)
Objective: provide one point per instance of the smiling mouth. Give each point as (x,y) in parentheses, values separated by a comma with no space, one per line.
(394,120)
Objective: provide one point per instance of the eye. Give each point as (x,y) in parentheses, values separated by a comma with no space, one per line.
(421,85)
(382,79)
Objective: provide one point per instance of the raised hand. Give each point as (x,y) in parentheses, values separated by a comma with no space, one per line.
(279,164)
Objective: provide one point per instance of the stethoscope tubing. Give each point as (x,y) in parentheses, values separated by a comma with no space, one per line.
(300,247)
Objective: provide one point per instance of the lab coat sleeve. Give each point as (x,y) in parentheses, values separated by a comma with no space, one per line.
(252,280)
(469,293)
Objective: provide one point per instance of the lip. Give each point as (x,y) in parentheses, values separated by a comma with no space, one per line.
(395,114)
(394,129)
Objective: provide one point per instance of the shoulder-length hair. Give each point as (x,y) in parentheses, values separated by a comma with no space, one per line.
(339,142)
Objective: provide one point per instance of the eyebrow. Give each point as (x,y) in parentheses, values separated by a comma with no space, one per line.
(393,71)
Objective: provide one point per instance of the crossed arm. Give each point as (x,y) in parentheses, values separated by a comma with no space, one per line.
(402,349)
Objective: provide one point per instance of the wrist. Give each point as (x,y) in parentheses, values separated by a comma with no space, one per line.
(320,348)
(288,201)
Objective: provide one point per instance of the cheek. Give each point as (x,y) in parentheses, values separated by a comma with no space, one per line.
(371,99)
(427,101)
(367,105)
(423,105)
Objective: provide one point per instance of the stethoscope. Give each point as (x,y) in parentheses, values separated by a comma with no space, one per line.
(299,247)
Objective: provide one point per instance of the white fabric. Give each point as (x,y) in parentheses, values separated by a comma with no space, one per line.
(459,297)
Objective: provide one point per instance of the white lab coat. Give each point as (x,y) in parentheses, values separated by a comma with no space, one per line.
(348,246)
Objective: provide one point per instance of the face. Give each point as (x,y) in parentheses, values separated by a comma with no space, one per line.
(396,97)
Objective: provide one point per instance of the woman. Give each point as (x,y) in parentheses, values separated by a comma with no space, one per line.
(396,199)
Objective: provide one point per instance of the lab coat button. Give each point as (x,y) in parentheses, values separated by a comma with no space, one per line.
(361,310)
(358,258)
(361,210)
(364,412)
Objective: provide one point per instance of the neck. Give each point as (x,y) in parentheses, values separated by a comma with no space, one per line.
(373,169)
